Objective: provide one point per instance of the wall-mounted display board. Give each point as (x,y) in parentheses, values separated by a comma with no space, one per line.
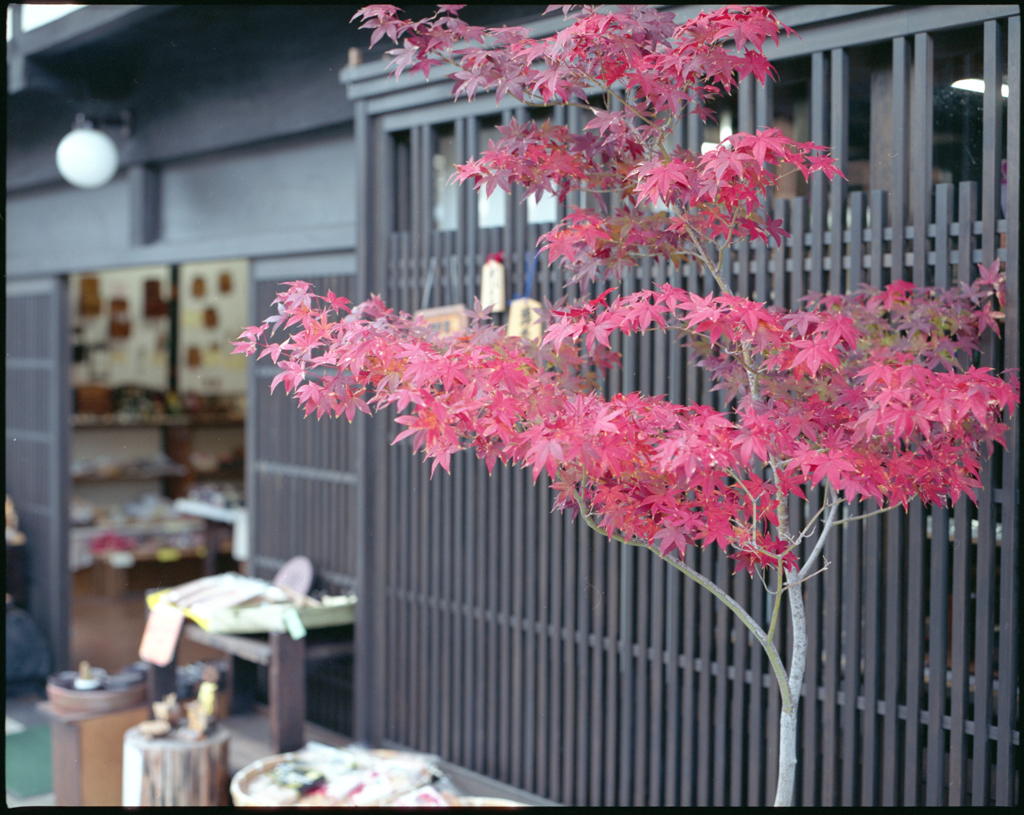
(212,311)
(121,328)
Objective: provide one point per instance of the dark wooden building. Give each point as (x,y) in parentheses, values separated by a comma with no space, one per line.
(507,639)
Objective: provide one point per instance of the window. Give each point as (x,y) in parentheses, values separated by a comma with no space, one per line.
(446,196)
(792,109)
(491,210)
(959,103)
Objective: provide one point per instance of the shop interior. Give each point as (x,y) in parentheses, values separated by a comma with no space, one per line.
(158,428)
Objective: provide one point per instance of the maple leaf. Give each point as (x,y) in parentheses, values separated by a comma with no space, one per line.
(813,354)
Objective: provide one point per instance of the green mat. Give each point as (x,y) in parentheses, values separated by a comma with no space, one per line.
(27,763)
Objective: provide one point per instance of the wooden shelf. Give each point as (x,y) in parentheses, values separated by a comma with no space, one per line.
(133,474)
(109,420)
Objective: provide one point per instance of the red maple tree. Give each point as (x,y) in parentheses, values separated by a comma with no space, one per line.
(868,394)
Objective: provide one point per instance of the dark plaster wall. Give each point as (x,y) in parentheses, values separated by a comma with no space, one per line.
(239,117)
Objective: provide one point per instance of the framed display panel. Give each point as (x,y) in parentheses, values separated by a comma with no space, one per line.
(121,328)
(212,311)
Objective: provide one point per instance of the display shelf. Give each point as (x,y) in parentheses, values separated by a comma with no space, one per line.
(133,474)
(109,420)
(178,440)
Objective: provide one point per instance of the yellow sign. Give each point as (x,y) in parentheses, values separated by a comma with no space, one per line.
(524,319)
(447,319)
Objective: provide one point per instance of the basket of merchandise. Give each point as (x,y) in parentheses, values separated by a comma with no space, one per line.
(231,603)
(319,775)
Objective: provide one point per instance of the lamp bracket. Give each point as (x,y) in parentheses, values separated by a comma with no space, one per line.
(122,123)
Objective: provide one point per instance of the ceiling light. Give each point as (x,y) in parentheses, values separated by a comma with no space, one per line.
(977,86)
(88,157)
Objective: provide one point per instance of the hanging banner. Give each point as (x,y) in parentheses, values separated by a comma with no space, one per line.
(492,283)
(524,312)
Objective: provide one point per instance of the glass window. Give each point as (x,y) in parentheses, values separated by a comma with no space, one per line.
(959,104)
(446,196)
(792,115)
(544,211)
(491,210)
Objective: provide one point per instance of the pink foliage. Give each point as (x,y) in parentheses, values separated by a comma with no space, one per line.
(871,392)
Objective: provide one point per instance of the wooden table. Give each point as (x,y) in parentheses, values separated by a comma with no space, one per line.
(285,659)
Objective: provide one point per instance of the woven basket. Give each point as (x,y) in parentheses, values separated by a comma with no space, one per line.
(243,778)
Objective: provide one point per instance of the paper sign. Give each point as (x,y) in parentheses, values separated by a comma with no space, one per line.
(160,639)
(492,285)
(523,319)
(293,623)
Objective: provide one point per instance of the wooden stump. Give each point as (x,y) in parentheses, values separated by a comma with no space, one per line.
(174,772)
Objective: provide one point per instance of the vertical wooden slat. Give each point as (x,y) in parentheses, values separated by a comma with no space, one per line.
(914,544)
(780,279)
(819,135)
(745,123)
(689,749)
(991,135)
(900,144)
(798,257)
(872,534)
(672,709)
(960,611)
(533,642)
(839,130)
(921,128)
(583,625)
(598,546)
(544,615)
(705,688)
(939,590)
(986,546)
(831,585)
(1007,768)
(481,632)
(895,588)
(566,655)
(851,626)
(879,219)
(737,741)
(612,662)
(809,760)
(720,771)
(756,719)
(764,115)
(503,557)
(445,615)
(921,172)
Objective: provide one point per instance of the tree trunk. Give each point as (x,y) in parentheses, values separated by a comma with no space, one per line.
(172,772)
(787,759)
(786,786)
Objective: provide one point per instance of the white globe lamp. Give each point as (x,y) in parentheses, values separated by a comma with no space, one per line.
(86,157)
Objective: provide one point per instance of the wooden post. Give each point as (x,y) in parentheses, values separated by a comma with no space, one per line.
(175,772)
(85,758)
(286,681)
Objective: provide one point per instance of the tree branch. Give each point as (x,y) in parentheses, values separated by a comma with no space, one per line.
(820,544)
(673,559)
